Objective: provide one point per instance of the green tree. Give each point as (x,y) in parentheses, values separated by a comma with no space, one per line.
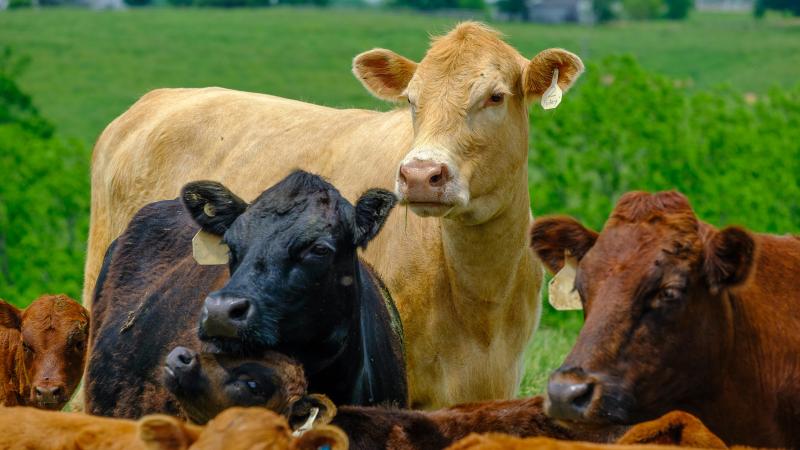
(43,200)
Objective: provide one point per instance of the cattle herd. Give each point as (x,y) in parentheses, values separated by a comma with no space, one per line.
(294,302)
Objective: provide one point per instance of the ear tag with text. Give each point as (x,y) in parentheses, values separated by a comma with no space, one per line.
(552,96)
(561,290)
(208,249)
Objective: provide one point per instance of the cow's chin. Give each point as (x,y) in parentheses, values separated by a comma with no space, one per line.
(430,209)
(229,346)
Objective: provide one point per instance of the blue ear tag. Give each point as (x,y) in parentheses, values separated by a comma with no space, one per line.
(325,447)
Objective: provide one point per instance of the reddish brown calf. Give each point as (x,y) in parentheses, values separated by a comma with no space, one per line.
(42,351)
(680,315)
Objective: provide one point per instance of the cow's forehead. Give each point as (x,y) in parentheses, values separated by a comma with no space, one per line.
(465,54)
(635,248)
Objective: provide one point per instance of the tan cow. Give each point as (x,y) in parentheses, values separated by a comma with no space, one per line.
(460,269)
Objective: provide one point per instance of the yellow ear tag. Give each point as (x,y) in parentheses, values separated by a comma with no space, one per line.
(208,249)
(561,290)
(552,96)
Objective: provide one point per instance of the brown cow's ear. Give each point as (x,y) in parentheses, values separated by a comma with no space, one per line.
(384,73)
(159,432)
(301,410)
(729,256)
(212,205)
(538,73)
(9,315)
(322,437)
(552,236)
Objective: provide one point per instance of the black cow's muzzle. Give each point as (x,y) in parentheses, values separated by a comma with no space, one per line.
(225,317)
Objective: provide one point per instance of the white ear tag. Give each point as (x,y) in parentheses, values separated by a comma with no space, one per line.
(561,290)
(208,249)
(309,423)
(552,96)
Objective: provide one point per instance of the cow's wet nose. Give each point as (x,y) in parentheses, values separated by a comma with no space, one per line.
(423,181)
(569,395)
(225,317)
(181,360)
(49,395)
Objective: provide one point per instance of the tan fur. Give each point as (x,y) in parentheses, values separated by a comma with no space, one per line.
(466,285)
(233,429)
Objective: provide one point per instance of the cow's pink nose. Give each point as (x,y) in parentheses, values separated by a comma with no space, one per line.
(423,181)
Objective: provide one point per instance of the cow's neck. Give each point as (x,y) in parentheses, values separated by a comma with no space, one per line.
(484,260)
(763,365)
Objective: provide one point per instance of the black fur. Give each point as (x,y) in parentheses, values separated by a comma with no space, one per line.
(326,311)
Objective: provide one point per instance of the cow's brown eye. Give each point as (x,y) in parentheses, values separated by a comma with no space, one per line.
(28,349)
(496,99)
(667,298)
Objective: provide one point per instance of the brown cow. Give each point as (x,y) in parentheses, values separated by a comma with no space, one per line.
(680,315)
(371,428)
(234,429)
(455,152)
(42,351)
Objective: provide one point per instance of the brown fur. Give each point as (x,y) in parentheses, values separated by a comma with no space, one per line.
(234,429)
(680,315)
(467,317)
(674,430)
(42,346)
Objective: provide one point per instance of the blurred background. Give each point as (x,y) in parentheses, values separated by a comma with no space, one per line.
(696,95)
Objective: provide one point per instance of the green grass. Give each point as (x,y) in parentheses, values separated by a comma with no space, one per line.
(87,67)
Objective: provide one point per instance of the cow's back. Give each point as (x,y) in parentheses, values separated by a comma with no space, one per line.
(245,140)
(147,303)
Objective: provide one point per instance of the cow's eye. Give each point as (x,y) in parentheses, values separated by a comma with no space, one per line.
(321,250)
(667,297)
(28,349)
(79,345)
(495,99)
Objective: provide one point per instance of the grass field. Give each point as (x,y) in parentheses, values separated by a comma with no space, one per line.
(87,67)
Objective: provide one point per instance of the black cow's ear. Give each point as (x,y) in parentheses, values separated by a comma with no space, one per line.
(729,256)
(552,236)
(372,210)
(212,205)
(10,316)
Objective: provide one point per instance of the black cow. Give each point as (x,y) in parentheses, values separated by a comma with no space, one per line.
(294,284)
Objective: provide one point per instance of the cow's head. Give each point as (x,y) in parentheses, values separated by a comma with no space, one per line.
(293,264)
(53,331)
(206,384)
(655,289)
(468,100)
(258,428)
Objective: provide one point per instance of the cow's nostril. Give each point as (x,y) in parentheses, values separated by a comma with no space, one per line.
(582,395)
(57,391)
(185,358)
(239,309)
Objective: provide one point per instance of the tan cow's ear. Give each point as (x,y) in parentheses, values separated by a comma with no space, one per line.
(384,73)
(159,432)
(9,315)
(538,73)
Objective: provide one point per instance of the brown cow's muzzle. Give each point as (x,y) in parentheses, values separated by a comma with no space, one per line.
(423,182)
(49,395)
(574,395)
